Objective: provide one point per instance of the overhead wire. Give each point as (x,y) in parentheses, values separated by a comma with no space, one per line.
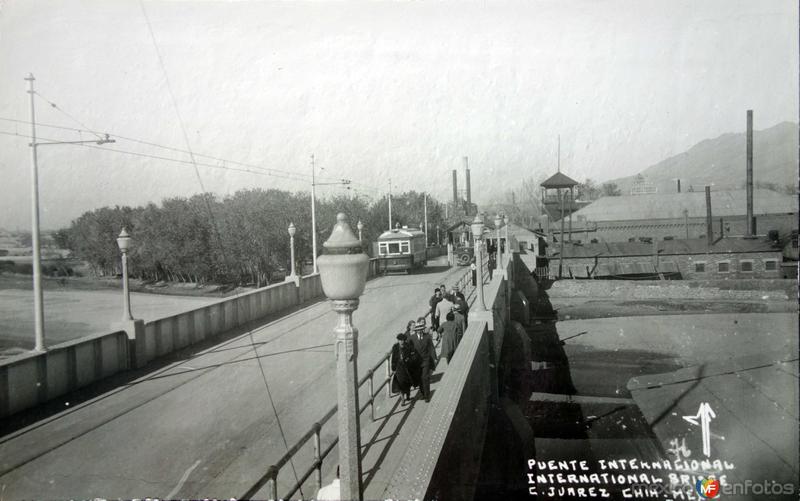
(200,181)
(277,172)
(62,111)
(157,157)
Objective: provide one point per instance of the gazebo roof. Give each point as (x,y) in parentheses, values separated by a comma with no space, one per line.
(559,180)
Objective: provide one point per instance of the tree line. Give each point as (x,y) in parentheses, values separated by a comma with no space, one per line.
(239,239)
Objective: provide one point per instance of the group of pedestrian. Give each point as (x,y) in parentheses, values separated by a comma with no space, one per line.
(413,356)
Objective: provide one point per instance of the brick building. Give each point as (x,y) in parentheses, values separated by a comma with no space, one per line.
(727,258)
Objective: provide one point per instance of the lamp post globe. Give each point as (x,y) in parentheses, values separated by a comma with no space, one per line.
(124,242)
(343,271)
(477,234)
(477,227)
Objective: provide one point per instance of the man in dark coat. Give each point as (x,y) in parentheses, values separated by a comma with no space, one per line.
(450,337)
(460,321)
(464,308)
(423,343)
(403,363)
(432,302)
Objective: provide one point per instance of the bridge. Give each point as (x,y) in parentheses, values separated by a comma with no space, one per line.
(238,399)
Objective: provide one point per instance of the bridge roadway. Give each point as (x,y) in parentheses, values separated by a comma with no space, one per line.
(205,425)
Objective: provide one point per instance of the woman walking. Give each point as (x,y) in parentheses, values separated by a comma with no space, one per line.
(401,381)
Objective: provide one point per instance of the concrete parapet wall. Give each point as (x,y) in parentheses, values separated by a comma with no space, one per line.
(441,462)
(33,378)
(444,457)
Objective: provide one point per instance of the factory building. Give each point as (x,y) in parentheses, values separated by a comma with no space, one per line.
(693,259)
(683,215)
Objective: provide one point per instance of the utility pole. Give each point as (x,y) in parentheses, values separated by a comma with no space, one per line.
(558,165)
(313,216)
(390,204)
(426,218)
(686,222)
(38,298)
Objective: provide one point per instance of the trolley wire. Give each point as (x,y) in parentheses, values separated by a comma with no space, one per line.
(213,221)
(155,157)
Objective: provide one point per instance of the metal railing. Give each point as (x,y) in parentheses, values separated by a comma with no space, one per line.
(270,478)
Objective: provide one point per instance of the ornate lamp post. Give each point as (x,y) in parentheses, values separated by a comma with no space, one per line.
(124,242)
(360,227)
(477,233)
(497,222)
(343,271)
(292,230)
(505,223)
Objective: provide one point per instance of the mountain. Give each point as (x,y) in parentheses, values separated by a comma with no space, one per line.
(721,162)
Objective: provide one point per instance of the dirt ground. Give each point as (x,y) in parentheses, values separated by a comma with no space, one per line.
(584,299)
(75,313)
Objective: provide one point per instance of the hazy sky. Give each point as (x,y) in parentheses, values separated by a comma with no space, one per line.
(377,89)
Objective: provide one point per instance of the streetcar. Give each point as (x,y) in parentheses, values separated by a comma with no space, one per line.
(401,250)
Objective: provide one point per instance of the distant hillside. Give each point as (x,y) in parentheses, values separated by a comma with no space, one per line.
(721,162)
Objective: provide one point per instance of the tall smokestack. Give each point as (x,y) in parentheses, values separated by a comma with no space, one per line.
(709,227)
(750,173)
(469,185)
(679,185)
(455,189)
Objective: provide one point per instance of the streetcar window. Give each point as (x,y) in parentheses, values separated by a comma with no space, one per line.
(404,248)
(382,249)
(394,248)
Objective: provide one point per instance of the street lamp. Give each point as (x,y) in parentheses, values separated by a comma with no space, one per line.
(292,230)
(360,227)
(343,272)
(497,222)
(124,242)
(477,233)
(505,223)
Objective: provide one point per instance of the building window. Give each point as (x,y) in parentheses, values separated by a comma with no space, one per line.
(724,266)
(770,264)
(700,267)
(746,266)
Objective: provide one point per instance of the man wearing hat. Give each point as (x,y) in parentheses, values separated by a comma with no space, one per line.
(460,322)
(423,343)
(443,307)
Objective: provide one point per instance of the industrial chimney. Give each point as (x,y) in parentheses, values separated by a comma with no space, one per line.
(709,223)
(469,185)
(750,231)
(455,189)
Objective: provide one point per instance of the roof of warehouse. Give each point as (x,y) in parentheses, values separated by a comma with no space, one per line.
(672,205)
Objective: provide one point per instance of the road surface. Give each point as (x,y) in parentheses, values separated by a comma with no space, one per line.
(205,426)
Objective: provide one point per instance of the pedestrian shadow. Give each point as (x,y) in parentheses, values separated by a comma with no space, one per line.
(387,440)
